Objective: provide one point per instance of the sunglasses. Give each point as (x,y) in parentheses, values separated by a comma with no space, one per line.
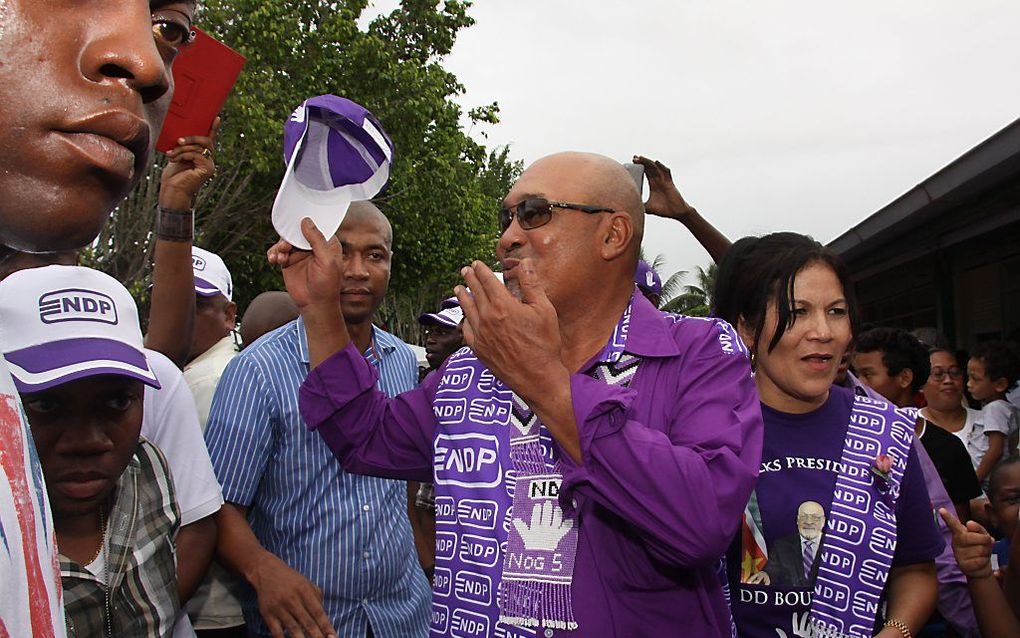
(939,374)
(536,211)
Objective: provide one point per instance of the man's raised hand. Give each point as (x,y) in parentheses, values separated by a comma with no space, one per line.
(189,166)
(972,546)
(312,277)
(517,339)
(664,199)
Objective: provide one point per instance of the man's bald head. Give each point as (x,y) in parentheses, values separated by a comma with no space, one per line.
(369,214)
(265,313)
(604,180)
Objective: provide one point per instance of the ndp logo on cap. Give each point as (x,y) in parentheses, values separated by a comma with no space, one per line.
(197,263)
(77,304)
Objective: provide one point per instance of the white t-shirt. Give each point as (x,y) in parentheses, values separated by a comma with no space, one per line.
(997,416)
(98,565)
(203,374)
(31,599)
(170,421)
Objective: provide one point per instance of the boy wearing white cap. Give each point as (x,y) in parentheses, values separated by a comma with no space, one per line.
(212,343)
(73,345)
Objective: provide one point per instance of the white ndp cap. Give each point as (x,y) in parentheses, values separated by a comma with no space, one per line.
(62,323)
(211,275)
(336,153)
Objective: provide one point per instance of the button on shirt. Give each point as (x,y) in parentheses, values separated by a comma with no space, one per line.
(669,463)
(348,534)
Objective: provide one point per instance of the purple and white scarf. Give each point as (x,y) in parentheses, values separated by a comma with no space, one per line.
(538,567)
(860,537)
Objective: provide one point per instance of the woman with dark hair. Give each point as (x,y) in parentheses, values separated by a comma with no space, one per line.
(840,483)
(945,410)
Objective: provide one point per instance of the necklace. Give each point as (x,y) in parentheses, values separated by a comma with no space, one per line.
(102,538)
(107,585)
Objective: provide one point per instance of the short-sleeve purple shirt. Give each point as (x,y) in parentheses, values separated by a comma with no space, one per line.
(800,460)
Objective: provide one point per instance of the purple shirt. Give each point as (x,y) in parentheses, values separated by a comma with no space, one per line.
(668,466)
(800,459)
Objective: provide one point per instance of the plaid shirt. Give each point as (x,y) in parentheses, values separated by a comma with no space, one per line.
(140,557)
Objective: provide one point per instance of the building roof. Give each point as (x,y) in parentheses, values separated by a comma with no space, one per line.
(979,170)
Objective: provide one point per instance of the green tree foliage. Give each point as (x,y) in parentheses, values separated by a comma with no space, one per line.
(445,190)
(695,299)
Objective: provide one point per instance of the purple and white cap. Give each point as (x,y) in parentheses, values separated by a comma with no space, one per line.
(336,153)
(647,279)
(211,275)
(451,317)
(62,323)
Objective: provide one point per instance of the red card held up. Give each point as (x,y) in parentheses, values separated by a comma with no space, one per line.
(204,74)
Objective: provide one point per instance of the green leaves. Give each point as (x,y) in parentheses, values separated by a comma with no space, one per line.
(445,191)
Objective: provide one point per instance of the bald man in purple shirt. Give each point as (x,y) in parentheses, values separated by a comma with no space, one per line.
(591,455)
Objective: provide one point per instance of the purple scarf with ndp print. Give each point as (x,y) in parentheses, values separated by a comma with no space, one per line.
(538,567)
(860,535)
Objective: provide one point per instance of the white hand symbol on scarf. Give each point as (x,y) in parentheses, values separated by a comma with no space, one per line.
(801,626)
(547,527)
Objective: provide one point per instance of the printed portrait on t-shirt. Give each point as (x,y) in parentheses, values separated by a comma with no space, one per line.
(791,560)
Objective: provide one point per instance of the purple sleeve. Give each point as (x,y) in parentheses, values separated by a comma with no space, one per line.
(369,432)
(919,540)
(681,485)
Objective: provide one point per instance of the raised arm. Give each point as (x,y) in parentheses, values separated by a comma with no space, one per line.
(313,279)
(972,546)
(367,431)
(665,200)
(172,309)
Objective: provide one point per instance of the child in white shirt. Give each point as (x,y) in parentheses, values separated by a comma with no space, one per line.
(992,371)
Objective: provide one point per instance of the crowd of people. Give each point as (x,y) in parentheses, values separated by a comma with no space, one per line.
(570,461)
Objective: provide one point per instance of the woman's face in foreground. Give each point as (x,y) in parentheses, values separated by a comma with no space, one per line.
(796,375)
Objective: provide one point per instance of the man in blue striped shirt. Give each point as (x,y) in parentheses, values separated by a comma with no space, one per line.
(325,552)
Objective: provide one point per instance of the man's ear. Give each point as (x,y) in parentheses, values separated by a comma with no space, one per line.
(617,236)
(230,314)
(905,378)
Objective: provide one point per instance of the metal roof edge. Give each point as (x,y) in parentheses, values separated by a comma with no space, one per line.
(997,149)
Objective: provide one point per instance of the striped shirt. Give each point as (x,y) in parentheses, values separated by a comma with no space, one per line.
(348,534)
(139,559)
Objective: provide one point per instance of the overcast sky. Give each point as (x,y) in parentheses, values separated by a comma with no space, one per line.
(773,114)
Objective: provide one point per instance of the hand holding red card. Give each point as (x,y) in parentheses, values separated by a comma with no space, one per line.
(204,74)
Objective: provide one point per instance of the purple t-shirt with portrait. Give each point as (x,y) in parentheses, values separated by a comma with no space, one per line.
(800,460)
